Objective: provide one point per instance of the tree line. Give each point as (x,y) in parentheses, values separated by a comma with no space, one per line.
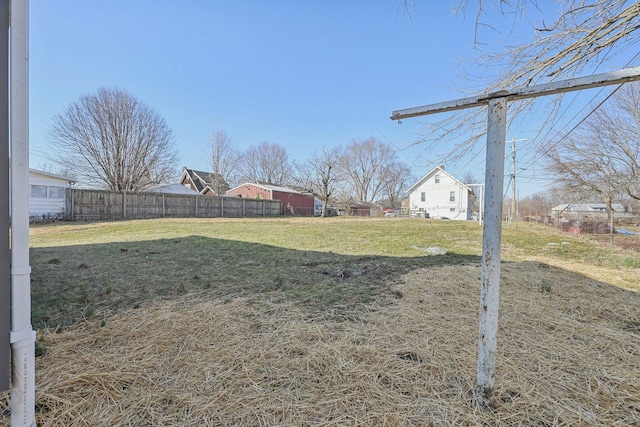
(111,140)
(365,170)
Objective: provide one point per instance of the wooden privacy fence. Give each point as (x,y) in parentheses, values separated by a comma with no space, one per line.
(93,205)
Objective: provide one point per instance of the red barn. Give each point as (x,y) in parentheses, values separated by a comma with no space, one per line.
(294,202)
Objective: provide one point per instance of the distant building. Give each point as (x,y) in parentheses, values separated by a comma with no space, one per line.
(174,188)
(294,202)
(586,208)
(440,195)
(204,183)
(47,195)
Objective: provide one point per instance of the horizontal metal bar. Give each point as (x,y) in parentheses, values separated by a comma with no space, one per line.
(569,85)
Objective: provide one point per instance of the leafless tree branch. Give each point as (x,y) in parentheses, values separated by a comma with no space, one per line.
(111,140)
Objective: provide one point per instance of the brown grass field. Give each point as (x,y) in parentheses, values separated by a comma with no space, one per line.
(362,328)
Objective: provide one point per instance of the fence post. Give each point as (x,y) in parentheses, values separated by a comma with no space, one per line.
(221,207)
(162,205)
(124,205)
(68,204)
(197,197)
(244,211)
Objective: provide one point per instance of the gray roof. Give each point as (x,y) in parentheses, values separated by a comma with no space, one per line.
(586,207)
(173,188)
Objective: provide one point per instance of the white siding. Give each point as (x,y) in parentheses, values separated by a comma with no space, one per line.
(438,198)
(47,199)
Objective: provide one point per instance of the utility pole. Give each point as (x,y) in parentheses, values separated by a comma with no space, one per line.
(514,213)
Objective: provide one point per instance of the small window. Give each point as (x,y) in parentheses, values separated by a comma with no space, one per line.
(56,192)
(437,179)
(452,209)
(423,196)
(452,196)
(39,191)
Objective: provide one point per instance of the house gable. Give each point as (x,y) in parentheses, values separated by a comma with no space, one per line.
(439,194)
(202,182)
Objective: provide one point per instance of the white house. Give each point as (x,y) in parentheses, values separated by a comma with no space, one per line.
(439,195)
(47,192)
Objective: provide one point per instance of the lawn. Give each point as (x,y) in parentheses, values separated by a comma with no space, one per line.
(336,321)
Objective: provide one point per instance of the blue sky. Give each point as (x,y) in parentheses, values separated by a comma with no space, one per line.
(302,74)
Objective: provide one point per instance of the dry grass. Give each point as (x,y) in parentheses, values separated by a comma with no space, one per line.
(568,355)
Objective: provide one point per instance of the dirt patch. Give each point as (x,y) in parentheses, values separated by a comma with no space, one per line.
(568,352)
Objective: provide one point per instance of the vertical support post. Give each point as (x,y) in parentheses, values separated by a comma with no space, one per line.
(491,257)
(512,217)
(124,205)
(22,334)
(67,204)
(5,253)
(481,219)
(162,205)
(196,213)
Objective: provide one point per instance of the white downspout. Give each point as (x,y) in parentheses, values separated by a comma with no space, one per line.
(22,334)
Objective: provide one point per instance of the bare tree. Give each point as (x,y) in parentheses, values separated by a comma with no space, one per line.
(398,178)
(267,163)
(566,38)
(583,170)
(367,165)
(536,206)
(601,159)
(580,35)
(320,174)
(111,140)
(223,159)
(474,198)
(617,126)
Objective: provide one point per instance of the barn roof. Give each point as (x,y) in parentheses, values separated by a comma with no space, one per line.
(271,187)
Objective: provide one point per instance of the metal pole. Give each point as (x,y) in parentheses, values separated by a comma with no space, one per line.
(512,218)
(5,253)
(491,232)
(482,203)
(22,334)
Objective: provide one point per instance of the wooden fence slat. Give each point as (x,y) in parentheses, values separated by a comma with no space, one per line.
(93,205)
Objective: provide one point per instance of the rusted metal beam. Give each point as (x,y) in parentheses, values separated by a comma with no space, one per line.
(579,83)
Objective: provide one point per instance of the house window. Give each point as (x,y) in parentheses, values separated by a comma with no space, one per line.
(39,191)
(437,179)
(56,192)
(423,196)
(452,196)
(43,192)
(452,209)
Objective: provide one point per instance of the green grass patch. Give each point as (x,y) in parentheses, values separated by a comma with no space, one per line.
(336,264)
